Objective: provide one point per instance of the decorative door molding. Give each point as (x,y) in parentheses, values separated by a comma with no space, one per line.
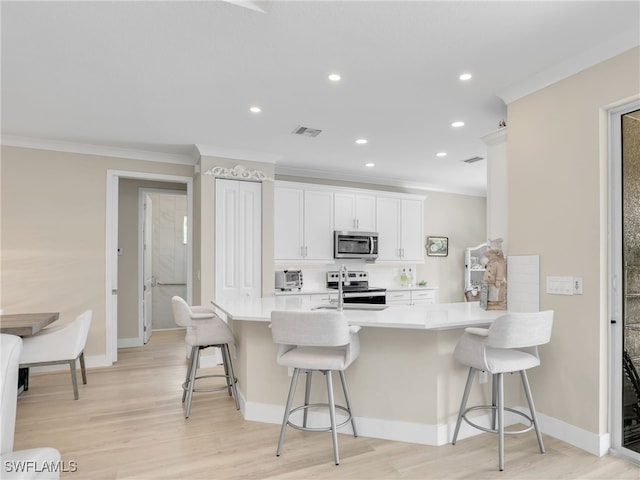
(239,172)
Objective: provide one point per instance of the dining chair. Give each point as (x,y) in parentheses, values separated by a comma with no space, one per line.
(509,345)
(204,329)
(315,341)
(59,345)
(32,463)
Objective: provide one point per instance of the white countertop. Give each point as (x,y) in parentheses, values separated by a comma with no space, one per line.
(439,316)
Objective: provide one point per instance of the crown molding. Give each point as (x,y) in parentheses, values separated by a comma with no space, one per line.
(99,150)
(497,136)
(236,154)
(622,42)
(389,182)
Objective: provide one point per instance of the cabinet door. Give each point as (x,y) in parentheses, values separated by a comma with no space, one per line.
(423,296)
(412,237)
(344,208)
(388,226)
(366,213)
(238,222)
(398,297)
(354,212)
(318,225)
(288,223)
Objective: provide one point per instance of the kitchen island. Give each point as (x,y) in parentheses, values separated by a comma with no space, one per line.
(405,385)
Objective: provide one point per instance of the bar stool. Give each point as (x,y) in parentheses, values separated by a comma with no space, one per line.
(315,341)
(204,329)
(509,345)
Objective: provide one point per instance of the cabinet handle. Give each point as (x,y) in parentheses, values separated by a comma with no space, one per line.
(357,223)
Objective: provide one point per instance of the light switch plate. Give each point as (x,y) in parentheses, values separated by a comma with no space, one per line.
(560,285)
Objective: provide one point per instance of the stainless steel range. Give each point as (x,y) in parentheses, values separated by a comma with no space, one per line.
(356,287)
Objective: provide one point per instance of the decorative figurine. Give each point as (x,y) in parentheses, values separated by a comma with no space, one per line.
(495,276)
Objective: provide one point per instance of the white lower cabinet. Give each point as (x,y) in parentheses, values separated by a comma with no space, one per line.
(411,297)
(396,297)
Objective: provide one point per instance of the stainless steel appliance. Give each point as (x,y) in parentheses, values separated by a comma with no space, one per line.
(362,245)
(288,279)
(356,287)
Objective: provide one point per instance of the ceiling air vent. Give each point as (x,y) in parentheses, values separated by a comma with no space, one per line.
(306,131)
(472,160)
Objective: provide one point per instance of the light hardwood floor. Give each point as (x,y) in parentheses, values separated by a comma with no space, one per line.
(129,423)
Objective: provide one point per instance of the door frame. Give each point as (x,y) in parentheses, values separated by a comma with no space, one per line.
(614,116)
(142,192)
(111,246)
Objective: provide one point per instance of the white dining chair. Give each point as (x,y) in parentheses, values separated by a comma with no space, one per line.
(509,345)
(59,345)
(32,463)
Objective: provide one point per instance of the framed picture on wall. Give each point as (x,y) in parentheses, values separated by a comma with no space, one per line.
(437,246)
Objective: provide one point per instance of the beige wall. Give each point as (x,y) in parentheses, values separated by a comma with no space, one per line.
(54,230)
(128,241)
(558,187)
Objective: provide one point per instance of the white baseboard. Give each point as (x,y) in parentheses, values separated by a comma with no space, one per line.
(436,435)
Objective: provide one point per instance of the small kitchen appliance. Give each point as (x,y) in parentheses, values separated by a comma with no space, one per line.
(287,280)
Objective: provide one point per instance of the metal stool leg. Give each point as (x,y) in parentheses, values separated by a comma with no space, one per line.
(185,385)
(347,398)
(532,408)
(225,364)
(500,421)
(195,356)
(307,393)
(231,378)
(494,395)
(332,414)
(463,404)
(287,408)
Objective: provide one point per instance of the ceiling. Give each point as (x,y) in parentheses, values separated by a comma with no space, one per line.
(170,80)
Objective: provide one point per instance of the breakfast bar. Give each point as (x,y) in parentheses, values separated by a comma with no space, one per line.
(405,385)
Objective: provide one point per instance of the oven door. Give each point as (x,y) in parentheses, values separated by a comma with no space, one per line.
(379,298)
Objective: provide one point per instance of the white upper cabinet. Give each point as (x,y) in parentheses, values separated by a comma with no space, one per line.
(354,212)
(306,215)
(303,223)
(400,228)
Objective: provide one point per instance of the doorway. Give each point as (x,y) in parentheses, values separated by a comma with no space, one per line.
(120,272)
(625,272)
(162,256)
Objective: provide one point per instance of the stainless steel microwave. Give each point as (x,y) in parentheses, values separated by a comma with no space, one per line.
(363,245)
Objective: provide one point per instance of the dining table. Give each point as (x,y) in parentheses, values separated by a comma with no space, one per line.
(26,324)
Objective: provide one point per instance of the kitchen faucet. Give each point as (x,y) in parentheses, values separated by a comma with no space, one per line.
(342,280)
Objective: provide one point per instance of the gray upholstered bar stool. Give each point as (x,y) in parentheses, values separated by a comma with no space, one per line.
(315,341)
(509,345)
(204,329)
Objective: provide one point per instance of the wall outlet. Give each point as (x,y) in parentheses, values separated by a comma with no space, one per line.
(483,377)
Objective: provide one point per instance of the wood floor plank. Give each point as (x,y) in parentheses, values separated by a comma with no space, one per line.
(129,424)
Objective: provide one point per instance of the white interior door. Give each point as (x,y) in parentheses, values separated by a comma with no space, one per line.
(238,239)
(147,268)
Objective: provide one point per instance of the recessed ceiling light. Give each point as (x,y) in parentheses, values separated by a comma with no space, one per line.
(361,141)
(457,124)
(255,109)
(369,164)
(465,76)
(335,77)
(441,154)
